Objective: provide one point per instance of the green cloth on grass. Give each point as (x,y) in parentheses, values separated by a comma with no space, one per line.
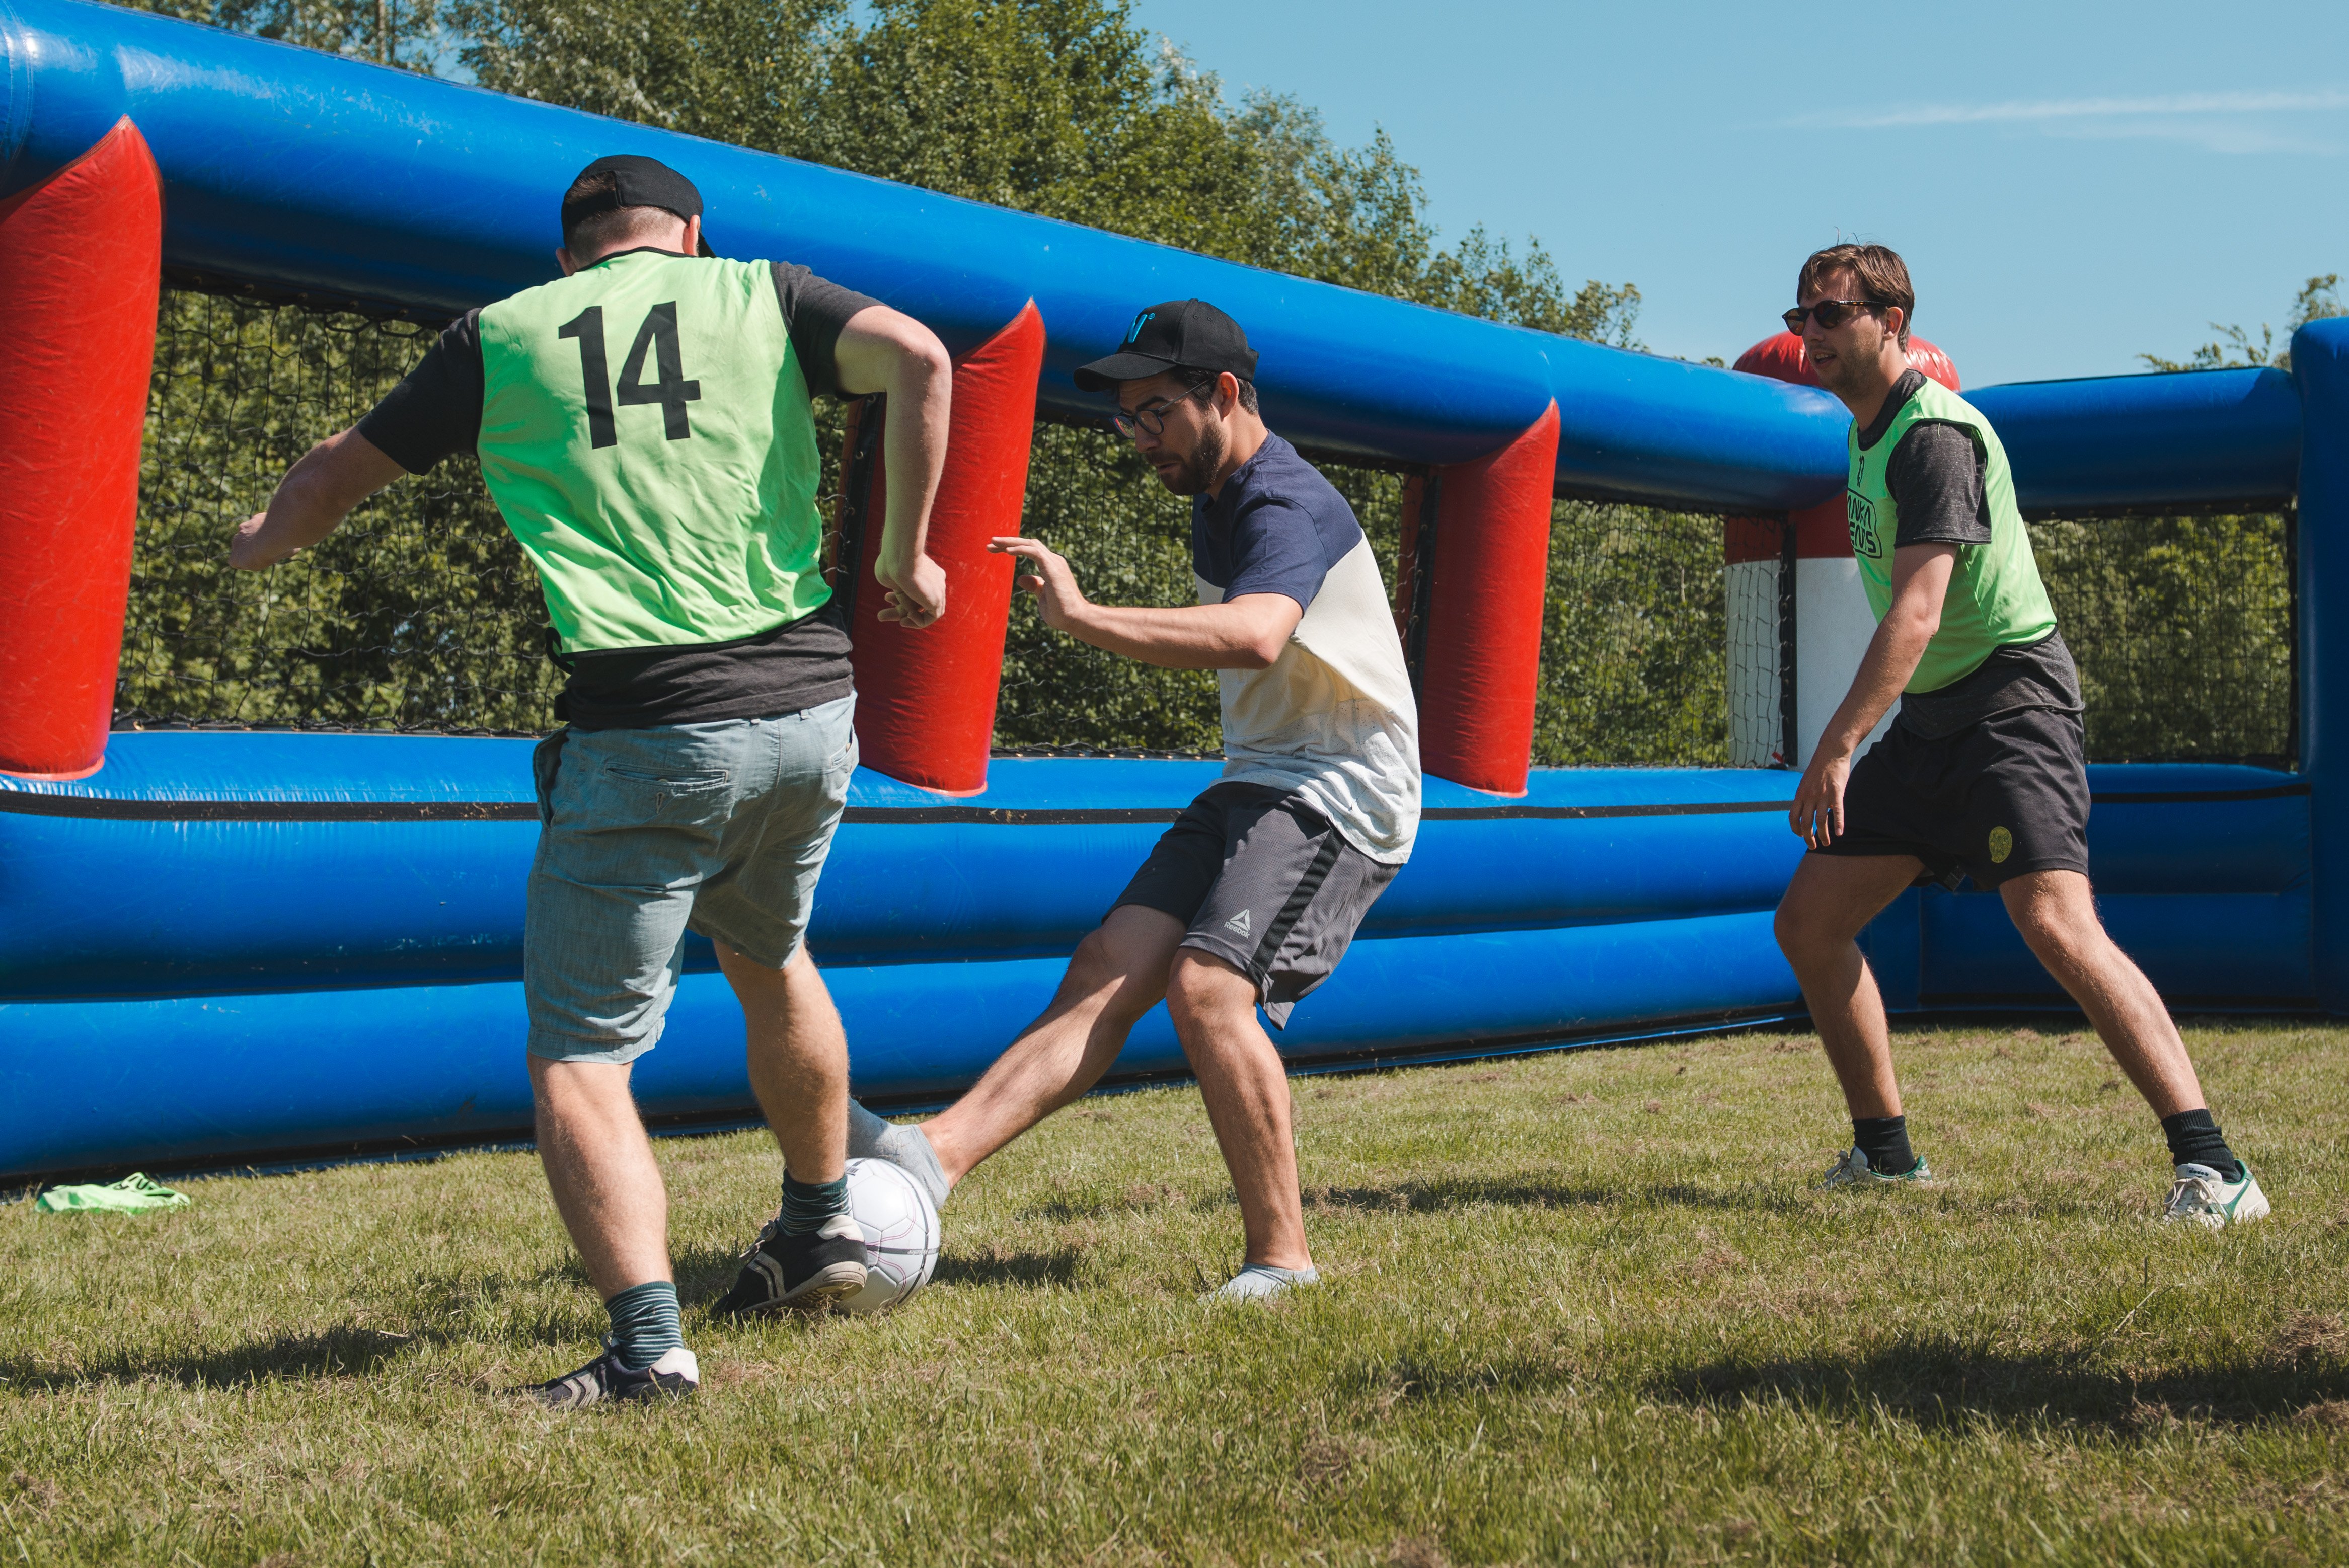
(132,1195)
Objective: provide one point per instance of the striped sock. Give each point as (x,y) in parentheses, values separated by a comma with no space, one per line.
(643,1324)
(808,1204)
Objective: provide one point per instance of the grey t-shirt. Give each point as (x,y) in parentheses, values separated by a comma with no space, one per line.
(1937,478)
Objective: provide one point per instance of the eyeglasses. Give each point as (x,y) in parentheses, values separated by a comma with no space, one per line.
(1150,419)
(1832,313)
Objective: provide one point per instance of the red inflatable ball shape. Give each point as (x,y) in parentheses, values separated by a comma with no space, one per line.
(1780,357)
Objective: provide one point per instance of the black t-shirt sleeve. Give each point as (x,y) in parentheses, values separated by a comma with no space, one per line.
(815,311)
(1935,476)
(436,410)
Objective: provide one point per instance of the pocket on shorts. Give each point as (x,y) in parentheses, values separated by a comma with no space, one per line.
(545,765)
(638,794)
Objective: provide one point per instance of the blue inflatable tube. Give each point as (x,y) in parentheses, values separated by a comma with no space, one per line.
(286,862)
(2202,438)
(307,944)
(88,1086)
(305,173)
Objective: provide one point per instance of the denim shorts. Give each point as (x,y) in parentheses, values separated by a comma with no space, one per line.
(720,828)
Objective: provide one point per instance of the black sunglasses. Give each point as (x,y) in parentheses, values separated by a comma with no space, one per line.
(1832,313)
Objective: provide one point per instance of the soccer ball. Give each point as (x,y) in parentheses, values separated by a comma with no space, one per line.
(900,1234)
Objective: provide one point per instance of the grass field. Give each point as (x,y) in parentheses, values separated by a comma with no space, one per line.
(1578,1308)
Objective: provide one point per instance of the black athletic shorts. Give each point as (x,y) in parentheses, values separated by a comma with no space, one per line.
(1996,799)
(1264,882)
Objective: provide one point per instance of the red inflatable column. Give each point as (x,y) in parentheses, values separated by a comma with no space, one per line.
(925,700)
(80,273)
(1832,622)
(1488,580)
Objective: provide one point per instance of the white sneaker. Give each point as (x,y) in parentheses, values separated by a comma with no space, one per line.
(1261,1281)
(1852,1169)
(2200,1195)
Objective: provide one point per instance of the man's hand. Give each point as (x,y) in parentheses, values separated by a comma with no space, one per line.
(914,594)
(316,493)
(1817,816)
(252,550)
(1044,574)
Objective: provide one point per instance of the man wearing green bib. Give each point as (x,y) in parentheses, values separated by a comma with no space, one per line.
(1982,774)
(644,423)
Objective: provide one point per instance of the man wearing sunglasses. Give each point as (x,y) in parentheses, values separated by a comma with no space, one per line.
(1252,896)
(1982,774)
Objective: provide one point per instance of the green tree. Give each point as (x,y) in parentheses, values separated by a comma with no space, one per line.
(1062,107)
(2232,349)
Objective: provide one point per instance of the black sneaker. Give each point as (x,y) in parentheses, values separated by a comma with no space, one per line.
(675,1375)
(808,1273)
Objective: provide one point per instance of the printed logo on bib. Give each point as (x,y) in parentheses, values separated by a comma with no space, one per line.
(1862,514)
(2002,845)
(1239,922)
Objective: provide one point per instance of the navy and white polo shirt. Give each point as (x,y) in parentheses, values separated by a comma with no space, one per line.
(1332,719)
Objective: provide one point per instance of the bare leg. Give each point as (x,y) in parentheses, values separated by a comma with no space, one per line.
(798,1058)
(599,1163)
(1118,974)
(2056,913)
(1831,898)
(1247,1090)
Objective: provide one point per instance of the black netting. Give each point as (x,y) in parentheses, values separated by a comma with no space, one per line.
(2183,629)
(420,613)
(1635,641)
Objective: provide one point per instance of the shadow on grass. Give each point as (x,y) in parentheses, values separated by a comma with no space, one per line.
(1471,1192)
(1444,1195)
(1940,1382)
(429,1311)
(1021,1271)
(347,1350)
(702,1274)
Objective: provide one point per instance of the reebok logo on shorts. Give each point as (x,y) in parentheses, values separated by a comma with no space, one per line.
(1239,923)
(2002,845)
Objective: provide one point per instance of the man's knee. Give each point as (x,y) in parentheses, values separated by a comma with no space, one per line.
(1807,926)
(2056,913)
(1097,970)
(1203,990)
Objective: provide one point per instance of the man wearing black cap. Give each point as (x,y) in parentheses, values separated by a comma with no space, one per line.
(643,424)
(1251,898)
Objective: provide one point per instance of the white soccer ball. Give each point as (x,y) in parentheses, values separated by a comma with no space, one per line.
(900,1234)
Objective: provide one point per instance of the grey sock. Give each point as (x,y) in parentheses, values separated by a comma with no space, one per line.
(908,1148)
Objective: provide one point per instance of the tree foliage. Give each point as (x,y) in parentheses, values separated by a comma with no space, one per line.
(1062,107)
(2233,349)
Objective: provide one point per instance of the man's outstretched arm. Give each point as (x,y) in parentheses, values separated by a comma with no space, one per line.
(1243,633)
(316,493)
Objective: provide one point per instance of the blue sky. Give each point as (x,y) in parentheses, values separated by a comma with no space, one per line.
(2073,184)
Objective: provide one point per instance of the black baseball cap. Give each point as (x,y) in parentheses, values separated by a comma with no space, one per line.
(1186,334)
(639,181)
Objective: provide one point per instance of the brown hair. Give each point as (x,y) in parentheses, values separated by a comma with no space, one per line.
(1200,385)
(1883,277)
(609,226)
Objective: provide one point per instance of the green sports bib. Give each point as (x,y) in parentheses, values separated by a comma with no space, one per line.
(647,432)
(1995,598)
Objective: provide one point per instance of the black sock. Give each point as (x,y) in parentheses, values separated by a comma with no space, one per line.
(2194,1141)
(1885,1141)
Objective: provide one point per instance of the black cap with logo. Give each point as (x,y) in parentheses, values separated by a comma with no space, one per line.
(1186,334)
(637,181)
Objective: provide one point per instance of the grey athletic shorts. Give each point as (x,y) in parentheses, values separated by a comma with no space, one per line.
(1264,882)
(719,827)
